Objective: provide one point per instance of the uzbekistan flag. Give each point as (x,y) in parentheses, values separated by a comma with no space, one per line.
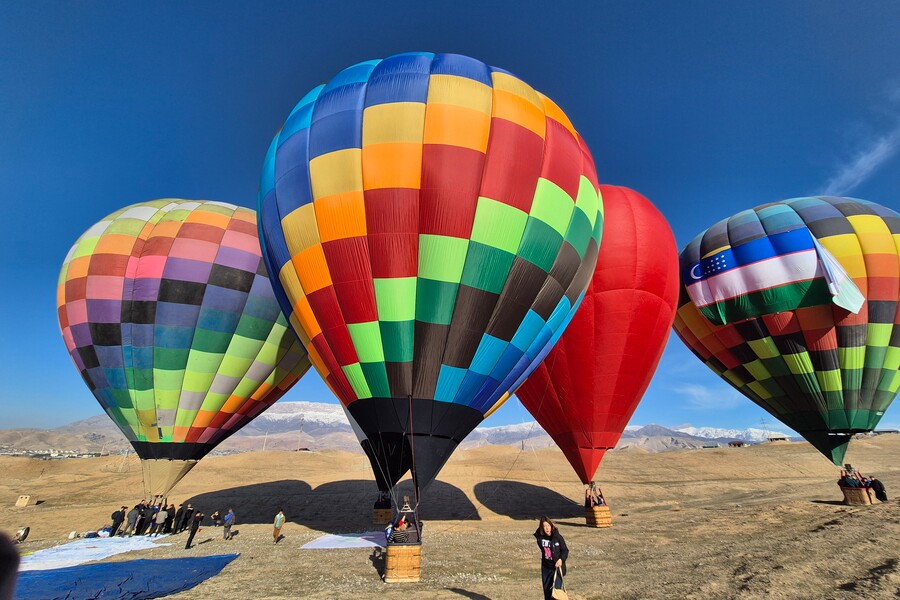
(771,274)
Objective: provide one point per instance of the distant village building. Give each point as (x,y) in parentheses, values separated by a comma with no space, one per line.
(777,438)
(712,445)
(736,444)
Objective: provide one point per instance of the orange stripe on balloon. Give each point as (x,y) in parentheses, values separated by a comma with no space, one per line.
(453,125)
(339,217)
(312,270)
(395,165)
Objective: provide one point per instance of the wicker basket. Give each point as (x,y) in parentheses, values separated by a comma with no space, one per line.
(598,516)
(856,495)
(382,516)
(403,563)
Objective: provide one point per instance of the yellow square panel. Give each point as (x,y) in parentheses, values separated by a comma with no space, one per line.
(337,172)
(460,91)
(393,122)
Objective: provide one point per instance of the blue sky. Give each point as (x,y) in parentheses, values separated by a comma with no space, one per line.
(706,108)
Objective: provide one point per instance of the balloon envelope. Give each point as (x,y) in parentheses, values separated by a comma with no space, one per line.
(168,314)
(426,218)
(591,382)
(820,369)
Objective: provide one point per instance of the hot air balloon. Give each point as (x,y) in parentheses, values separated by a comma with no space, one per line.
(167,311)
(794,304)
(430,222)
(591,382)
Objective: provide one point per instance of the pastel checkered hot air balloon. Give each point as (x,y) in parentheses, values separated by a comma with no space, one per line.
(586,390)
(795,304)
(430,222)
(168,314)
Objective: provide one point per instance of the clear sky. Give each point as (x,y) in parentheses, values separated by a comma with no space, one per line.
(706,107)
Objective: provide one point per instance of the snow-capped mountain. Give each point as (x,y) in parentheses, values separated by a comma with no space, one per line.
(289,425)
(716,433)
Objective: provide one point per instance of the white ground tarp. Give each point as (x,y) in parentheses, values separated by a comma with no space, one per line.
(369,539)
(83,551)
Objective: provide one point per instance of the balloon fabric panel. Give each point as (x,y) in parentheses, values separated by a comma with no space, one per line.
(586,390)
(821,370)
(168,314)
(426,216)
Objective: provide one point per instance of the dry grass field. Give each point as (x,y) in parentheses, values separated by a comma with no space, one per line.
(756,522)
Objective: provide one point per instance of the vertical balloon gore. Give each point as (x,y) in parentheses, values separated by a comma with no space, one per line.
(591,382)
(425,218)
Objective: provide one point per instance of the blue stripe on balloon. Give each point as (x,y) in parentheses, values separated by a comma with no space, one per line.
(292,187)
(469,387)
(528,329)
(337,120)
(461,66)
(171,313)
(449,380)
(489,351)
(400,78)
(222,321)
(763,248)
(170,336)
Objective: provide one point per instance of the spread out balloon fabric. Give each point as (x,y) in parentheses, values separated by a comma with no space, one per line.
(168,313)
(430,222)
(591,382)
(821,369)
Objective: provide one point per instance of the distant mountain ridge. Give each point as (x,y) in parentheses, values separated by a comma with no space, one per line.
(320,426)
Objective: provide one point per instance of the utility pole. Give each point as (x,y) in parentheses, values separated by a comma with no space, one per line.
(300,435)
(265,441)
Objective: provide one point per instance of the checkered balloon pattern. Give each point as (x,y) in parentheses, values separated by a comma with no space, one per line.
(821,370)
(430,223)
(168,314)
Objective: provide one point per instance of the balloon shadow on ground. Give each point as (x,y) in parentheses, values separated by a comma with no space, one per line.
(440,502)
(525,501)
(830,502)
(334,507)
(257,503)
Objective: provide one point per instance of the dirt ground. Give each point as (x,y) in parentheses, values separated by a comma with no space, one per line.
(756,522)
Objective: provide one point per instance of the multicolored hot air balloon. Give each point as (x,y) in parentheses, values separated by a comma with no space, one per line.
(430,222)
(591,382)
(783,281)
(168,313)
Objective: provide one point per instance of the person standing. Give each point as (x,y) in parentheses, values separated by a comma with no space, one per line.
(186,517)
(117,518)
(176,524)
(279,521)
(131,521)
(227,522)
(196,518)
(159,520)
(554,553)
(170,518)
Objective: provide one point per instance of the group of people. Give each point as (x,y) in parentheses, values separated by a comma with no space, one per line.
(851,478)
(158,518)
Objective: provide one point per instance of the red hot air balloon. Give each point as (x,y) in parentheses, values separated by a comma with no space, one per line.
(589,385)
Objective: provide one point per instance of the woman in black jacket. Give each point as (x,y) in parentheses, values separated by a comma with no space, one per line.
(554,553)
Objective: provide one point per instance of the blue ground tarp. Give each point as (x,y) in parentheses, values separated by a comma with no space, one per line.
(127,580)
